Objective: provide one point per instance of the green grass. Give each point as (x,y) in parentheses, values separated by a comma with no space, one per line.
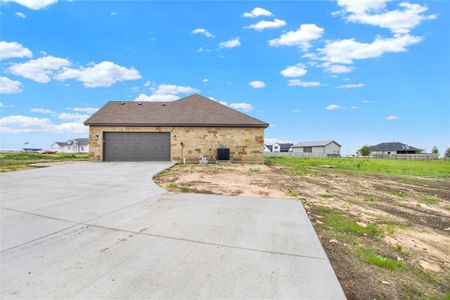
(301,166)
(326,195)
(430,200)
(341,223)
(372,258)
(12,161)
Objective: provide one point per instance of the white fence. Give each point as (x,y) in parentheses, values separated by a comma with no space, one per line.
(418,156)
(296,154)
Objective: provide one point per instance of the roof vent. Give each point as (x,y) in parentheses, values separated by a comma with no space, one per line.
(122,103)
(163,104)
(140,103)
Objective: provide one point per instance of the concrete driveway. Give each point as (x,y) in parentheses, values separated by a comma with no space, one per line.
(105,230)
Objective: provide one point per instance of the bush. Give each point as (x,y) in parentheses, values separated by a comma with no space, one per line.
(365,150)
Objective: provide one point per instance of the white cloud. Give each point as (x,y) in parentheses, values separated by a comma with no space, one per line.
(113,13)
(294,71)
(300,83)
(205,50)
(164,89)
(8,86)
(351,86)
(103,74)
(203,31)
(347,50)
(73,117)
(166,93)
(271,141)
(257,12)
(261,25)
(234,42)
(366,101)
(336,69)
(12,50)
(205,80)
(25,124)
(399,21)
(147,83)
(87,110)
(33,4)
(257,84)
(391,118)
(333,107)
(21,15)
(157,98)
(239,106)
(41,69)
(42,110)
(354,107)
(301,37)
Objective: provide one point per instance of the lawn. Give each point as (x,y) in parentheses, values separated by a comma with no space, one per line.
(427,168)
(15,161)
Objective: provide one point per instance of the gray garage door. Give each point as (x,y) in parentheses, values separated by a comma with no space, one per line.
(136,146)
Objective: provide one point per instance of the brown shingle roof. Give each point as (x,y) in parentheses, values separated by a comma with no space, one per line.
(191,111)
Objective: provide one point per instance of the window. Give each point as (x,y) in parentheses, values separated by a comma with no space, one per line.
(307,149)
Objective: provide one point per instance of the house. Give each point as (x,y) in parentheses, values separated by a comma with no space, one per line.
(281,147)
(393,148)
(267,148)
(318,148)
(72,146)
(31,150)
(181,130)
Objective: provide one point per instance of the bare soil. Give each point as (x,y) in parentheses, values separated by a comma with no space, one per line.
(413,214)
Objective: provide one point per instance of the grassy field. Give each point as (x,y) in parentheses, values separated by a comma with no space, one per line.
(15,161)
(384,224)
(428,168)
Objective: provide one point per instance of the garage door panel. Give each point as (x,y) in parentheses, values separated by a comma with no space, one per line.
(136,146)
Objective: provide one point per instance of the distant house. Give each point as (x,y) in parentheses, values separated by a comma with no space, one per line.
(393,148)
(267,148)
(72,146)
(281,147)
(31,150)
(326,148)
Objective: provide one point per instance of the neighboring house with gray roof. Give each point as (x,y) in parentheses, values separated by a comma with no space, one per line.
(80,145)
(393,148)
(282,147)
(318,148)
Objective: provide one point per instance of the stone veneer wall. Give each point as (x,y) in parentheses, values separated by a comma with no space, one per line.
(246,144)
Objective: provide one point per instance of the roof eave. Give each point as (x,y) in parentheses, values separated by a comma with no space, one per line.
(265,125)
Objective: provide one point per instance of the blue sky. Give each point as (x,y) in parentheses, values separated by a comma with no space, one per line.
(358,72)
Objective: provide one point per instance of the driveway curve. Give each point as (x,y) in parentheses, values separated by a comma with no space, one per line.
(106,230)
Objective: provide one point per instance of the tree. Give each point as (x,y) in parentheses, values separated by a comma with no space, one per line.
(365,150)
(435,150)
(447,153)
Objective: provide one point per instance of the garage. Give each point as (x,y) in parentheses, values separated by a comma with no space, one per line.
(136,146)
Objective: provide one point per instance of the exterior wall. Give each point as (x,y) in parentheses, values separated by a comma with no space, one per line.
(276,148)
(332,148)
(314,150)
(71,148)
(246,144)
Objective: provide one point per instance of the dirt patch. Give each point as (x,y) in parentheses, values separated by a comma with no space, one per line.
(387,237)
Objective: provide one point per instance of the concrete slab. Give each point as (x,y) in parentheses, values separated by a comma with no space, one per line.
(134,241)
(75,193)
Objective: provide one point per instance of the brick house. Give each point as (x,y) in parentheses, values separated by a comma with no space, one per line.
(184,129)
